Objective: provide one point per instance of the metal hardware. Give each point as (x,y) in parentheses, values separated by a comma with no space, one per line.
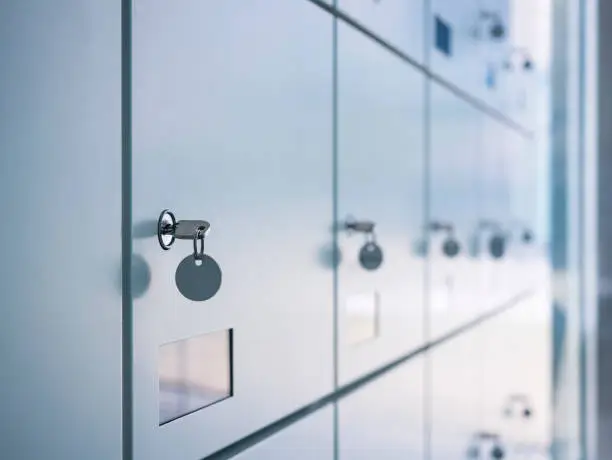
(527,60)
(478,442)
(497,29)
(498,239)
(370,254)
(359,226)
(437,226)
(199,235)
(526,234)
(169,230)
(520,403)
(450,247)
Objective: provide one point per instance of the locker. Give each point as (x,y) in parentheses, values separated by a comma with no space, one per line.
(517,391)
(309,439)
(60,182)
(455,405)
(232,124)
(384,420)
(455,51)
(494,247)
(453,187)
(380,180)
(398,22)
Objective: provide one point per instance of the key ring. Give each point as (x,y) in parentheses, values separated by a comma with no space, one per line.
(199,235)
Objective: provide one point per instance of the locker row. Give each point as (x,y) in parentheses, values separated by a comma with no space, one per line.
(229,210)
(489,49)
(354,208)
(474,397)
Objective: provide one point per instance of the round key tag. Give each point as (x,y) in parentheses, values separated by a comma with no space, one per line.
(198,276)
(497,246)
(451,247)
(370,256)
(198,279)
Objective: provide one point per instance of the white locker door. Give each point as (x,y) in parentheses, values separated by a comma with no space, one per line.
(60,183)
(453,187)
(309,439)
(384,420)
(517,376)
(454,396)
(380,180)
(232,124)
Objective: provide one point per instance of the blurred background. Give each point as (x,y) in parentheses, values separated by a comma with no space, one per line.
(305,229)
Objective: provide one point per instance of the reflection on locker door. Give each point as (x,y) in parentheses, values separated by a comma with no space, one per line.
(455,127)
(456,52)
(455,396)
(232,125)
(517,378)
(308,439)
(491,235)
(398,22)
(384,420)
(380,183)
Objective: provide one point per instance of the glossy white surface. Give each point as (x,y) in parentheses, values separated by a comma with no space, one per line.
(309,439)
(60,182)
(518,361)
(398,22)
(233,124)
(453,187)
(384,420)
(455,385)
(380,178)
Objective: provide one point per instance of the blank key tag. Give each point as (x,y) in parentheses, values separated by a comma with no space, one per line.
(198,276)
(371,255)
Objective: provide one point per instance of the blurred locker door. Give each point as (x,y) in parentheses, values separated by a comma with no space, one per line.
(309,439)
(232,124)
(454,396)
(491,236)
(517,377)
(384,420)
(453,187)
(380,173)
(380,205)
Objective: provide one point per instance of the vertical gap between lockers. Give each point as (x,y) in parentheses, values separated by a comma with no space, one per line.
(335,247)
(427,376)
(126,228)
